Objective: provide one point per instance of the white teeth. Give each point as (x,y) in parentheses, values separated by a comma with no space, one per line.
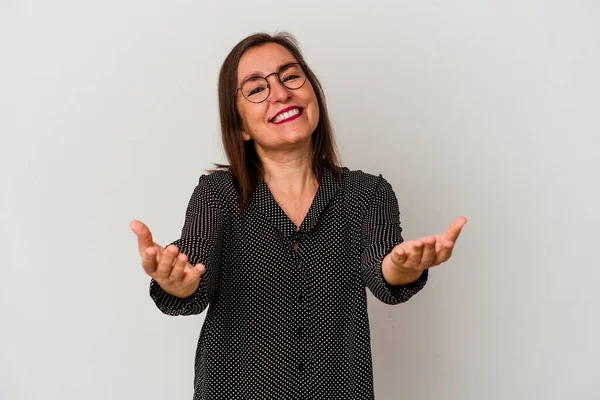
(286,115)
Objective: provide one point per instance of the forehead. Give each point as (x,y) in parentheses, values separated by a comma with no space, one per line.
(263,59)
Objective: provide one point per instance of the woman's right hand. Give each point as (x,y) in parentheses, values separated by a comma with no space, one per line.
(168,267)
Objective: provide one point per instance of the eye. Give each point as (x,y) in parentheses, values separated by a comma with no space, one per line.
(290,78)
(256,91)
(254,87)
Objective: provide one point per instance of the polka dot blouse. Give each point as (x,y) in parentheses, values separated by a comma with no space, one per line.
(287,308)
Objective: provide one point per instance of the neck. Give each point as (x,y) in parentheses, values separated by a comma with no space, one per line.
(291,172)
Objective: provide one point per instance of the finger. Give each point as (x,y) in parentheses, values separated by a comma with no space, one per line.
(149,260)
(439,241)
(143,234)
(165,263)
(416,252)
(454,229)
(429,253)
(181,261)
(444,254)
(159,251)
(399,255)
(193,273)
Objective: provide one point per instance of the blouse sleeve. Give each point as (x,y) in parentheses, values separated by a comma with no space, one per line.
(201,240)
(381,232)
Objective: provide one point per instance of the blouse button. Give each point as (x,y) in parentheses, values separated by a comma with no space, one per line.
(301,366)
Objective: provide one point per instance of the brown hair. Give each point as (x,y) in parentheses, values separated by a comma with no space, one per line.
(244,163)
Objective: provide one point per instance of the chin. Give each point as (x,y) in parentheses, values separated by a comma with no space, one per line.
(298,136)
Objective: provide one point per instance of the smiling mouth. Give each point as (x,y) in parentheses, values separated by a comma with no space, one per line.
(287,116)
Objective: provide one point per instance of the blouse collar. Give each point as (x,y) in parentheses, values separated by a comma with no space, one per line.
(263,200)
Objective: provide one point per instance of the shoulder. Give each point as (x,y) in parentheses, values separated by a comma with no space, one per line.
(364,189)
(221,180)
(218,187)
(360,182)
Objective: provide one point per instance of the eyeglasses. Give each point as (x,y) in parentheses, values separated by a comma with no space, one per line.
(256,89)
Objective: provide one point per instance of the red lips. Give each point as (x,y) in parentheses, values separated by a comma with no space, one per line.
(286,110)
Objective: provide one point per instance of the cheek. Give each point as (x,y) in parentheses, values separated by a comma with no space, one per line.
(251,117)
(314,104)
(243,112)
(314,111)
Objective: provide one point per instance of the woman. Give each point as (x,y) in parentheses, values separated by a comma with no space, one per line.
(281,244)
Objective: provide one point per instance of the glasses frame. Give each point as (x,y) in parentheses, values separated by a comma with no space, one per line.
(304,69)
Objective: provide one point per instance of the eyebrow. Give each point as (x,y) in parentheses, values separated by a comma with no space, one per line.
(255,75)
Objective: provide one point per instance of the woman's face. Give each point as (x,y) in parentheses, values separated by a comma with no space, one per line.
(261,122)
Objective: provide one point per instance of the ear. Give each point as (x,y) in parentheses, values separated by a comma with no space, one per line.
(245,136)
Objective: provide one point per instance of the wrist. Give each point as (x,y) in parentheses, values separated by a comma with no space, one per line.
(183,294)
(398,276)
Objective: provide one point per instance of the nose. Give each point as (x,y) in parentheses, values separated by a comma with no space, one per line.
(278,92)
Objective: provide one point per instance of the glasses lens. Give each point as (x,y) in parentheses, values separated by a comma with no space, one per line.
(293,76)
(256,89)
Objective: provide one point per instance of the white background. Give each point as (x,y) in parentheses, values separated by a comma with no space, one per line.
(108,112)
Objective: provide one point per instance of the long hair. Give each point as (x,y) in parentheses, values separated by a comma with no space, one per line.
(244,163)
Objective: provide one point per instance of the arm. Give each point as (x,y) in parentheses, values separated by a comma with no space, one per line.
(381,233)
(201,240)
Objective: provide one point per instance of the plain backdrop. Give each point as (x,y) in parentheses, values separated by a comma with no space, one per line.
(488,109)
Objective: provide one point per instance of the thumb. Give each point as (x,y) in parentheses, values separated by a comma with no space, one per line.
(143,233)
(454,229)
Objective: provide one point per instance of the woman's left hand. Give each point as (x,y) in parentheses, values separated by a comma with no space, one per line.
(421,254)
